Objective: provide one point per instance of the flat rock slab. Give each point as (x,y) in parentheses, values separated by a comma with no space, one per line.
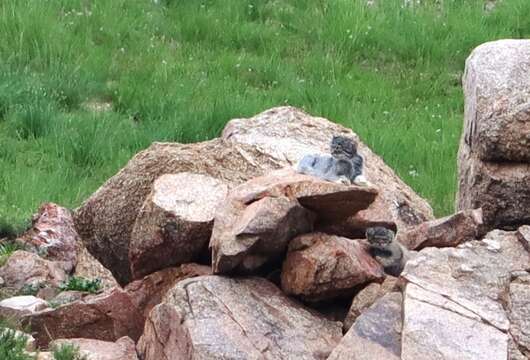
(175,223)
(451,230)
(17,306)
(330,201)
(497,107)
(431,331)
(376,334)
(320,266)
(123,349)
(474,275)
(213,317)
(457,299)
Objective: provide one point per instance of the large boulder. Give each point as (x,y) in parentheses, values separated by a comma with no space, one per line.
(26,268)
(213,317)
(53,235)
(376,334)
(456,299)
(494,154)
(287,134)
(497,110)
(451,230)
(175,222)
(260,217)
(248,148)
(320,267)
(107,317)
(502,189)
(91,349)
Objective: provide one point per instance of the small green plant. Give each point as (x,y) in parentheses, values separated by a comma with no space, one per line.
(8,248)
(31,288)
(78,283)
(13,345)
(67,352)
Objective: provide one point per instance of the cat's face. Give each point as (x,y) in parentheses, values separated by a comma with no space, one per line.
(343,146)
(379,236)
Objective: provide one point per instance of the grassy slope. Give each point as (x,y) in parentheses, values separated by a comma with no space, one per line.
(178,70)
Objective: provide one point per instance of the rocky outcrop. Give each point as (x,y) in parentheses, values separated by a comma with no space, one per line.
(248,148)
(26,268)
(368,296)
(451,230)
(53,235)
(175,222)
(259,218)
(320,266)
(456,299)
(213,317)
(107,317)
(494,155)
(376,334)
(123,349)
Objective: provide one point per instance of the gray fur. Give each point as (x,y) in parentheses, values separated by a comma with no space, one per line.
(387,250)
(343,165)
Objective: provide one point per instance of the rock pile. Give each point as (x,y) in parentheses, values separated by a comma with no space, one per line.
(223,251)
(494,155)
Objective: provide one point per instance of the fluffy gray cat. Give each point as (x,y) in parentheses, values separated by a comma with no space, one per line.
(344,165)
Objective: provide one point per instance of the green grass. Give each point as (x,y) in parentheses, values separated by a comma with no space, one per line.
(78,283)
(67,352)
(12,346)
(178,70)
(8,248)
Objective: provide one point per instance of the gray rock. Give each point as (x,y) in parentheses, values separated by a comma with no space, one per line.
(367,297)
(501,189)
(213,317)
(497,107)
(433,332)
(17,306)
(519,311)
(376,334)
(474,275)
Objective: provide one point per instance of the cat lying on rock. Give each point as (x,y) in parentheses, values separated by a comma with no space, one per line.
(344,165)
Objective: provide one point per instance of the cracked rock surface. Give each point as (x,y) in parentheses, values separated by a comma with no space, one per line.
(214,317)
(461,303)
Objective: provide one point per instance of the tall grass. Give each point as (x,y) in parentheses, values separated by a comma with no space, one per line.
(178,70)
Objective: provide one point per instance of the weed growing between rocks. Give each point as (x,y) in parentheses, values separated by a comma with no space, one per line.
(13,345)
(78,283)
(67,352)
(8,248)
